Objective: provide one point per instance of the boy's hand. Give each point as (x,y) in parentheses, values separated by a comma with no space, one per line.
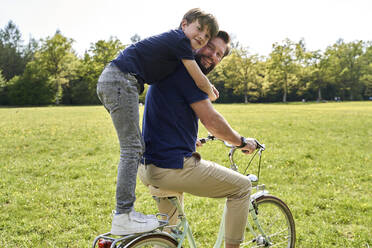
(215,91)
(212,96)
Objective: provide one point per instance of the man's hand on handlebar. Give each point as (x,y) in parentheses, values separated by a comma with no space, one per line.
(250,147)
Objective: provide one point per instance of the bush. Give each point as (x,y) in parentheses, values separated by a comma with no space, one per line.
(30,90)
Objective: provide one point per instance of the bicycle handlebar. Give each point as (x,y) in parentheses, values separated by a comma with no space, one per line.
(211,137)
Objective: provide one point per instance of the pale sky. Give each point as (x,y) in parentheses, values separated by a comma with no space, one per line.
(256,24)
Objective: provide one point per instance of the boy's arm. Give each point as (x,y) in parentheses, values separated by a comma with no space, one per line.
(200,79)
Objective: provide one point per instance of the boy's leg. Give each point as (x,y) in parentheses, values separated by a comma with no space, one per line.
(119,94)
(126,122)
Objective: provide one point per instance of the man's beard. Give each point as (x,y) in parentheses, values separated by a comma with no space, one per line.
(198,58)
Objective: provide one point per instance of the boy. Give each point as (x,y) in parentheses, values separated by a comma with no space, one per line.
(118,88)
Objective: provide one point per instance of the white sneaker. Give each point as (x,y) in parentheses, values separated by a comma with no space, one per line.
(133,222)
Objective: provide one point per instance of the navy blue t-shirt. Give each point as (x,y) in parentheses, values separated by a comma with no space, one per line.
(170,126)
(154,58)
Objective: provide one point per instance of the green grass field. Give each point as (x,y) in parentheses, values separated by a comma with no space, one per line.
(58,172)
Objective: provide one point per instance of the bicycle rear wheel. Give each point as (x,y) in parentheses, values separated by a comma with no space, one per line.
(276,221)
(154,240)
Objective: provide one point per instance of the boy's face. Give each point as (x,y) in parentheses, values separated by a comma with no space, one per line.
(198,37)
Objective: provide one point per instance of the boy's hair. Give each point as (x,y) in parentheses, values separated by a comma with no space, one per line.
(226,38)
(203,18)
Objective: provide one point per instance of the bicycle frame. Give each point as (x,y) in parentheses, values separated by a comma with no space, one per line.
(182,230)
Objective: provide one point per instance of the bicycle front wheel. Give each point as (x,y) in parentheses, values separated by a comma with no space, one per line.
(276,221)
(154,240)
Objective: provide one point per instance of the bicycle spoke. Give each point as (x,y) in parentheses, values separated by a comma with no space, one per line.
(277,233)
(278,217)
(283,242)
(246,243)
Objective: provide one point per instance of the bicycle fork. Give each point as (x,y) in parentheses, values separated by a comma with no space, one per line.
(262,238)
(259,239)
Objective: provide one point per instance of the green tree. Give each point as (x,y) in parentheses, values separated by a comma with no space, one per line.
(32,87)
(239,71)
(30,49)
(314,77)
(59,61)
(2,79)
(3,90)
(366,78)
(282,66)
(226,94)
(345,68)
(11,59)
(102,52)
(82,90)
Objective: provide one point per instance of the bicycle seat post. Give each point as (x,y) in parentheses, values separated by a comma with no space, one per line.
(183,223)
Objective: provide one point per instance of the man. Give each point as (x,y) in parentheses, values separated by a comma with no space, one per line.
(170,127)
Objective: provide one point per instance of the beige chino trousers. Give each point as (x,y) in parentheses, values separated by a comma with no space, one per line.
(206,179)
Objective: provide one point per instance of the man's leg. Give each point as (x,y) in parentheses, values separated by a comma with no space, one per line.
(164,205)
(119,94)
(207,179)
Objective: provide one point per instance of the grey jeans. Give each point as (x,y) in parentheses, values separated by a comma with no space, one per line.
(119,94)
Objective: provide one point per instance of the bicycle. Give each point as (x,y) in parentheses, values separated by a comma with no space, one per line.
(270,222)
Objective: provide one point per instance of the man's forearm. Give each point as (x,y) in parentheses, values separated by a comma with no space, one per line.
(215,123)
(221,129)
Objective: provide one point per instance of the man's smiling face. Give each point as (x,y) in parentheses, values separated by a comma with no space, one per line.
(211,54)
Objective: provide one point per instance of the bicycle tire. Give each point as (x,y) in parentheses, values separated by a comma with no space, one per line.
(277,222)
(154,240)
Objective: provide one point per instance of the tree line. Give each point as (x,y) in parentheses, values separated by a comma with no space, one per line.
(49,71)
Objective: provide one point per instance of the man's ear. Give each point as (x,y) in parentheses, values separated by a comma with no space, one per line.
(184,24)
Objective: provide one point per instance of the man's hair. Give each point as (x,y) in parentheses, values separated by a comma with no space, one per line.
(204,19)
(226,38)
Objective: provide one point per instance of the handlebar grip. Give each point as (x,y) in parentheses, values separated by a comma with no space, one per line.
(204,140)
(259,145)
